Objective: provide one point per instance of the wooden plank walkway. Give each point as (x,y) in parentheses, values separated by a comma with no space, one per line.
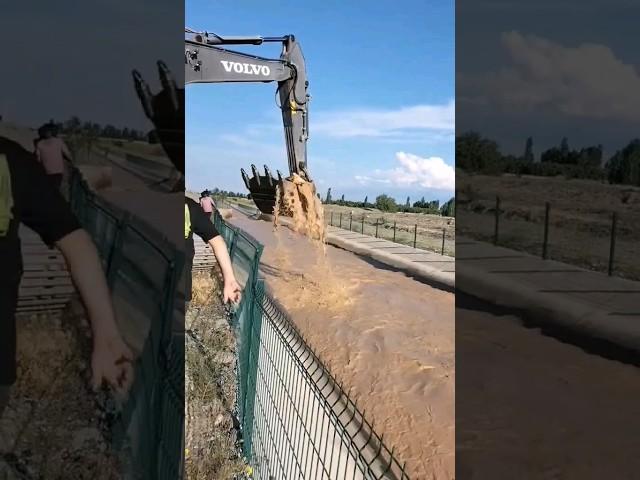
(204,260)
(46,284)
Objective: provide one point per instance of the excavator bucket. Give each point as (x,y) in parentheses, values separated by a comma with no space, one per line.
(262,188)
(294,196)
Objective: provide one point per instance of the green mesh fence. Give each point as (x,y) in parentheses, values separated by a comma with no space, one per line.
(297,421)
(142,270)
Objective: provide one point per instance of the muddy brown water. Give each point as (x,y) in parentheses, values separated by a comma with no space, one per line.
(386,335)
(538,408)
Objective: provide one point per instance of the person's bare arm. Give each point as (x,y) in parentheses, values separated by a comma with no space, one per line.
(111,356)
(232,290)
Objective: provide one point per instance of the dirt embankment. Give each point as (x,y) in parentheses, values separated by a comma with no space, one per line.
(210,431)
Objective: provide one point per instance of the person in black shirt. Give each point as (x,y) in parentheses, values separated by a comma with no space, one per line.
(28,197)
(198,222)
(166,111)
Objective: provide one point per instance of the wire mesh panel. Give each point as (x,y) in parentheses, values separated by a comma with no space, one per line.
(142,269)
(297,421)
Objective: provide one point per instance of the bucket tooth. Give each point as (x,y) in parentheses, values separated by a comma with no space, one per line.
(303,169)
(245,178)
(256,175)
(267,174)
(279,176)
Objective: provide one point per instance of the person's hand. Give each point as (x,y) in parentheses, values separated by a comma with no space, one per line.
(111,362)
(232,291)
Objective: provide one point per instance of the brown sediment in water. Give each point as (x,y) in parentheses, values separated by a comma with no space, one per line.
(385,335)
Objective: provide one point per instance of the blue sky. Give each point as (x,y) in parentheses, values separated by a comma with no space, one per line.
(382,84)
(549,69)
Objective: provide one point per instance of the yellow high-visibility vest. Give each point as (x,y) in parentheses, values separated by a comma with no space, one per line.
(187,221)
(6,196)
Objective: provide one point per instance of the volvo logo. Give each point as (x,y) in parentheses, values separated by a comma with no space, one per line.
(246,68)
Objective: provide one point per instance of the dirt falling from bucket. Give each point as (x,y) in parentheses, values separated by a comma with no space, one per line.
(299,200)
(314,286)
(317,285)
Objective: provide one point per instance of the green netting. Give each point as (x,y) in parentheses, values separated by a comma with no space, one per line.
(296,420)
(143,270)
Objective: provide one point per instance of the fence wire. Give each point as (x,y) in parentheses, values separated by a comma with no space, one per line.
(297,421)
(143,270)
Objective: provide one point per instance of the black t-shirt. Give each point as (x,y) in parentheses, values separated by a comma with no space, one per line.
(200,225)
(41,207)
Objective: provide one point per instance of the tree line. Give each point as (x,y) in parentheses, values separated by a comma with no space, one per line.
(386,203)
(475,153)
(216,192)
(75,126)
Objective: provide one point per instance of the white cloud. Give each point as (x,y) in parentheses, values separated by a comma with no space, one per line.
(586,81)
(385,123)
(414,171)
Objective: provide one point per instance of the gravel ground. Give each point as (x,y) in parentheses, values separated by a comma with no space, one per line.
(54,426)
(211,425)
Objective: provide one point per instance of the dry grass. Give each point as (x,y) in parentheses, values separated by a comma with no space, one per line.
(429,234)
(210,448)
(580,218)
(53,427)
(204,289)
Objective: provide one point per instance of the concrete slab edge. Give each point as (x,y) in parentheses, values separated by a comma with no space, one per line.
(429,274)
(549,308)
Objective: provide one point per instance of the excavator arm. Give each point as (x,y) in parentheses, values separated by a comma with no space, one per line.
(207,61)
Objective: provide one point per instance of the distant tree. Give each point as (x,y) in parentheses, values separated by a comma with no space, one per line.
(386,203)
(152,137)
(328,199)
(552,155)
(448,209)
(475,153)
(590,156)
(528,151)
(624,166)
(73,124)
(564,147)
(366,201)
(342,198)
(408,203)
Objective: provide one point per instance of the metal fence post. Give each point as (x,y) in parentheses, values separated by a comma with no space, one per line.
(394,231)
(443,234)
(350,221)
(497,228)
(415,235)
(545,244)
(377,223)
(340,219)
(612,247)
(362,224)
(115,254)
(331,221)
